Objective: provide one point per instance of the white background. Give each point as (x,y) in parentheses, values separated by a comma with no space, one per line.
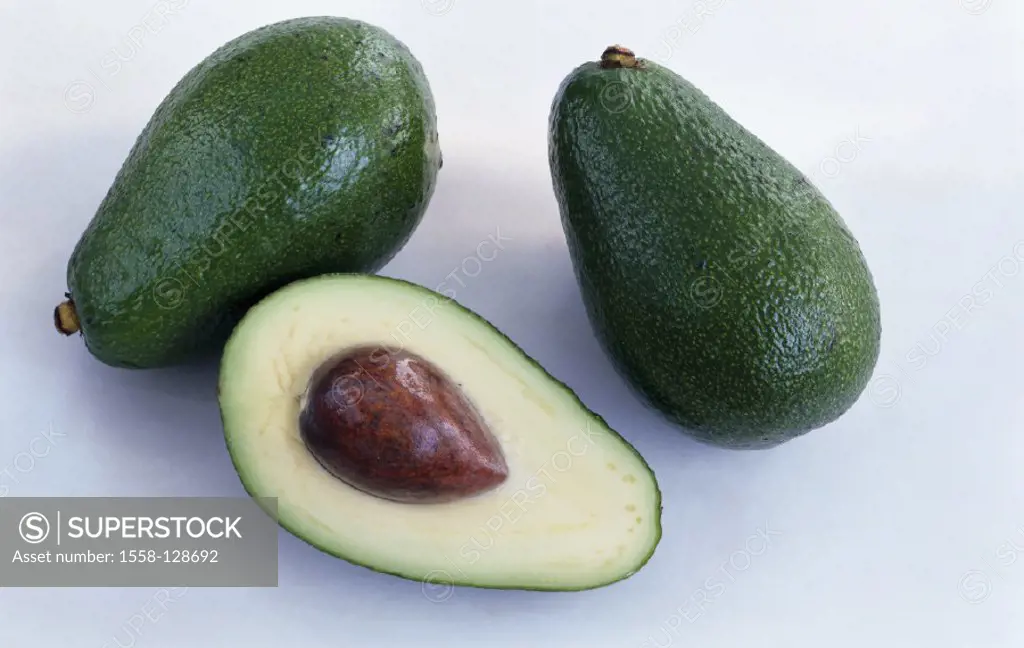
(896,526)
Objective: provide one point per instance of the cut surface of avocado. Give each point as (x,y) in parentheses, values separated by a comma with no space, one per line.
(566,503)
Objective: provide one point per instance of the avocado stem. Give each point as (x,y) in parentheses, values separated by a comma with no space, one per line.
(617,56)
(65,318)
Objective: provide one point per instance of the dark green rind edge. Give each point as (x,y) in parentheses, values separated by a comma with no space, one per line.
(466,311)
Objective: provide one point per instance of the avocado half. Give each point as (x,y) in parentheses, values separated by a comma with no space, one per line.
(564,504)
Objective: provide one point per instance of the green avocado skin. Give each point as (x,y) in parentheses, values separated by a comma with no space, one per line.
(301,148)
(724,287)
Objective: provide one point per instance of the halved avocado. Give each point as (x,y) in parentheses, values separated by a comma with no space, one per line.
(402,432)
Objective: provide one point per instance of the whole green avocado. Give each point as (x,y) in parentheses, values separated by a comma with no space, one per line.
(301,148)
(725,288)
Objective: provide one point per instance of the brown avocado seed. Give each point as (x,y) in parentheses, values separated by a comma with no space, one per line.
(392,425)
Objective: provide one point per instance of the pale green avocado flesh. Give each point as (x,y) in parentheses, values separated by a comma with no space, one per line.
(579,509)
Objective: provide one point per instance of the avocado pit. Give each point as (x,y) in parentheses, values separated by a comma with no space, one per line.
(391,424)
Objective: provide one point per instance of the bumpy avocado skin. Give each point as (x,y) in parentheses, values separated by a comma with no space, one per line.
(304,147)
(723,285)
